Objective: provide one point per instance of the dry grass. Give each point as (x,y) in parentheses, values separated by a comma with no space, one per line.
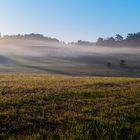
(58,107)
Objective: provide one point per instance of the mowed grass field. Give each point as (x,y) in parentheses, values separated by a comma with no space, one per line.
(40,107)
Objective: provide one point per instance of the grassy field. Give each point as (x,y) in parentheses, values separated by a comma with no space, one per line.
(39,107)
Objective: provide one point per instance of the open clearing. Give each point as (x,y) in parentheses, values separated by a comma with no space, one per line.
(59,107)
(69,60)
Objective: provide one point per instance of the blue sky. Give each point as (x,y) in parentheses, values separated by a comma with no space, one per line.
(70,20)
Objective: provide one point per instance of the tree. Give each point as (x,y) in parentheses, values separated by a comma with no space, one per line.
(122,63)
(110,39)
(133,37)
(108,64)
(118,38)
(100,41)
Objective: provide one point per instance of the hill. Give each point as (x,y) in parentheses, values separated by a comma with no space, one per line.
(32,56)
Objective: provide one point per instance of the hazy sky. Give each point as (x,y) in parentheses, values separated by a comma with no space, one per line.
(70,19)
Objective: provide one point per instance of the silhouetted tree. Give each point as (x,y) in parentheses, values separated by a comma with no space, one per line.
(133,37)
(100,41)
(108,64)
(118,38)
(85,43)
(110,39)
(122,63)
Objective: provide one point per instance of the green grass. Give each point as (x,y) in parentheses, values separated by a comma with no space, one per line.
(39,107)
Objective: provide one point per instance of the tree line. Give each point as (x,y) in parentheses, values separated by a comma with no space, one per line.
(29,36)
(132,39)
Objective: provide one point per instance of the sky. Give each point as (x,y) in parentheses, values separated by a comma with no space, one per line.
(70,20)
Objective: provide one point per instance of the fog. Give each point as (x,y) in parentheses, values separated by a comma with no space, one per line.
(54,58)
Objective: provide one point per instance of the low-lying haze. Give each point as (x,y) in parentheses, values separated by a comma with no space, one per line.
(53,58)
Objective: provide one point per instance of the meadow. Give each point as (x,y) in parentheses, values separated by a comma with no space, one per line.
(48,58)
(41,107)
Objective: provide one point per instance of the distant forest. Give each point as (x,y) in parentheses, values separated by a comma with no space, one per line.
(28,36)
(132,39)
